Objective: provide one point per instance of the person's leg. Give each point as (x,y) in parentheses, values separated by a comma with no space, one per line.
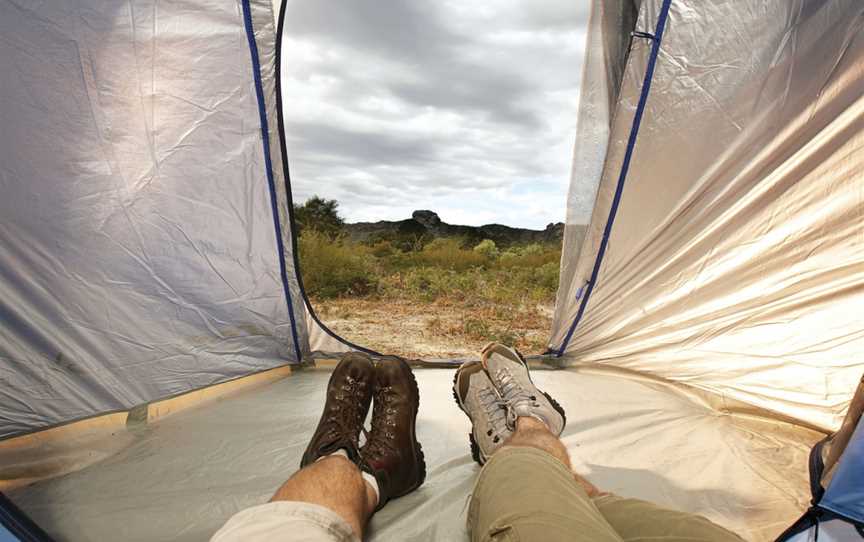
(533,433)
(528,419)
(357,482)
(329,499)
(633,520)
(340,485)
(526,490)
(641,521)
(335,483)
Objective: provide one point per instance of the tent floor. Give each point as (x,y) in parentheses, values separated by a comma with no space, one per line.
(182,477)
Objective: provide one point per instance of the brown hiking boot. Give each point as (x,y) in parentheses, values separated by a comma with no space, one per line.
(392,454)
(348,396)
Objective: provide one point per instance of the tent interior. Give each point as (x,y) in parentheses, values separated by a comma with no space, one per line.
(161,367)
(181,478)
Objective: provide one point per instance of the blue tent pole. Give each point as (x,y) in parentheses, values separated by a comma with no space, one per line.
(625,166)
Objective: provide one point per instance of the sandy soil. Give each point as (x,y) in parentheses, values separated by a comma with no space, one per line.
(434,330)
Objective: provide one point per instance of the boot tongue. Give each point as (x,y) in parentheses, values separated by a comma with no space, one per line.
(342,427)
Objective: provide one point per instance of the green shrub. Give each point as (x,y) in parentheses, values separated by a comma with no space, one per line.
(487,249)
(382,249)
(530,256)
(546,277)
(443,269)
(406,241)
(449,253)
(334,267)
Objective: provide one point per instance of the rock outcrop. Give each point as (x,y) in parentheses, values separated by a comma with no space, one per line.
(427,224)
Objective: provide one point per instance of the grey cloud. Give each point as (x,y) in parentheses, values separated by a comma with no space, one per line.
(439,59)
(552,14)
(409,55)
(349,147)
(411,30)
(465,86)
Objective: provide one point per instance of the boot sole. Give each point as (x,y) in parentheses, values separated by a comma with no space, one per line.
(418,448)
(475,449)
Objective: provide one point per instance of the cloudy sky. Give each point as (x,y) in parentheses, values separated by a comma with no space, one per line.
(464,108)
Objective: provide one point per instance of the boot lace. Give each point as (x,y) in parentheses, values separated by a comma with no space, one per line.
(381,440)
(514,396)
(496,409)
(348,416)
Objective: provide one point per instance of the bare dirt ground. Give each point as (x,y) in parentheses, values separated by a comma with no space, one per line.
(440,329)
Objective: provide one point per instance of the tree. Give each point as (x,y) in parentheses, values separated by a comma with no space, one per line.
(319,214)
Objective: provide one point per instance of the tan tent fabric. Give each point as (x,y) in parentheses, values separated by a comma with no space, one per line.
(602,70)
(736,260)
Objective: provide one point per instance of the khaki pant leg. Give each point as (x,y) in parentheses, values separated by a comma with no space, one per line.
(286,521)
(638,521)
(524,494)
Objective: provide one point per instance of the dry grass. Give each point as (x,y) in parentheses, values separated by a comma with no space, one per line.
(440,300)
(443,328)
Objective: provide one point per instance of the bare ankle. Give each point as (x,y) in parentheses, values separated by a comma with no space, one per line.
(528,423)
(533,433)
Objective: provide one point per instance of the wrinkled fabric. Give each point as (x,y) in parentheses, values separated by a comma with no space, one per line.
(736,260)
(138,257)
(264,28)
(321,339)
(603,65)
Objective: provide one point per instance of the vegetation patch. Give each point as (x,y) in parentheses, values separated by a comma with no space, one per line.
(455,293)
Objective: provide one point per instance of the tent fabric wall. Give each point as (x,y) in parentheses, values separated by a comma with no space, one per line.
(322,341)
(262,28)
(736,261)
(603,65)
(138,257)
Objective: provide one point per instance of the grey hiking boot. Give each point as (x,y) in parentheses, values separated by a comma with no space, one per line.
(508,372)
(478,399)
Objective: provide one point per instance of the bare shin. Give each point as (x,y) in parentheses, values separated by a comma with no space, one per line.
(335,483)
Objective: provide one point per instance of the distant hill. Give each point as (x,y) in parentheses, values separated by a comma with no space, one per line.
(428,224)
